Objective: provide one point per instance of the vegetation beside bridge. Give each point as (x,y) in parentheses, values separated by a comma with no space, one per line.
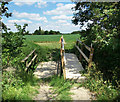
(102,78)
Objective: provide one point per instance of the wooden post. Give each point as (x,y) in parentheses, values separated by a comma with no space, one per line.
(62,56)
(63,66)
(90,56)
(81,54)
(57,68)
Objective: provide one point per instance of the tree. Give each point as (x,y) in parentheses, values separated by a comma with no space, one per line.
(39,28)
(75,32)
(58,32)
(12,42)
(4,12)
(51,32)
(104,33)
(46,32)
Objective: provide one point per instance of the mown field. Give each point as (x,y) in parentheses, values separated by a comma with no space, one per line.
(52,41)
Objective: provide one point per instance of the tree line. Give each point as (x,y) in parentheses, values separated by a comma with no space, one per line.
(42,32)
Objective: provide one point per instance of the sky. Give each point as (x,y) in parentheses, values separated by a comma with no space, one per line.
(50,15)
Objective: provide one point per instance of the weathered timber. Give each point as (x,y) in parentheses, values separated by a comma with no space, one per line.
(82,53)
(31,60)
(90,57)
(28,56)
(73,67)
(88,48)
(62,52)
(25,60)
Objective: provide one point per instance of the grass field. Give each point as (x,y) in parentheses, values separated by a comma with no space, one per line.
(52,41)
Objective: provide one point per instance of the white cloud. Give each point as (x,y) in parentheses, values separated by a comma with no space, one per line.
(41,3)
(62,17)
(61,25)
(19,21)
(31,16)
(23,3)
(59,4)
(61,21)
(61,10)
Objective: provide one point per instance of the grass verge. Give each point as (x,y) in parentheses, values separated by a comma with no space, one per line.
(61,87)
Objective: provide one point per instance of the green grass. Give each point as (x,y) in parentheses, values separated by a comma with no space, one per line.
(52,41)
(19,87)
(49,38)
(60,86)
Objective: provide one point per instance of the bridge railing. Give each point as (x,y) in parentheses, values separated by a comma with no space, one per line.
(32,56)
(90,49)
(62,53)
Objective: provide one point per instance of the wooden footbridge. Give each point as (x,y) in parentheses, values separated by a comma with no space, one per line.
(70,65)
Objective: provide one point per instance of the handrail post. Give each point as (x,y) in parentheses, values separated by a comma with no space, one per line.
(90,56)
(81,54)
(62,52)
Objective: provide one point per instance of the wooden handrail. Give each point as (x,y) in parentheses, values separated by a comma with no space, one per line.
(89,60)
(82,53)
(26,58)
(88,48)
(31,60)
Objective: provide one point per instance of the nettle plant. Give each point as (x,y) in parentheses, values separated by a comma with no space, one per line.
(12,42)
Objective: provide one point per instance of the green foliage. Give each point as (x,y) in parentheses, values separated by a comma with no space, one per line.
(16,87)
(42,32)
(51,42)
(46,32)
(103,33)
(104,90)
(12,43)
(4,12)
(75,32)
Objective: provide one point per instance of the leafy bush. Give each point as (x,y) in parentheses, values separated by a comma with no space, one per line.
(16,87)
(103,33)
(104,90)
(12,43)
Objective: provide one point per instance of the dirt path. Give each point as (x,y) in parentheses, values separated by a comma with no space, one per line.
(80,93)
(45,93)
(47,69)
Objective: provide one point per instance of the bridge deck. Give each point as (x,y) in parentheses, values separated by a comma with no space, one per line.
(73,67)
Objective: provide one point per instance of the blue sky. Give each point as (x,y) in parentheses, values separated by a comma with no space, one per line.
(55,15)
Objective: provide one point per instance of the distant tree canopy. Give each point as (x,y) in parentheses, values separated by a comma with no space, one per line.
(75,32)
(42,32)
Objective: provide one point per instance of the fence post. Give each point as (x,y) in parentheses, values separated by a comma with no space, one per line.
(90,56)
(62,52)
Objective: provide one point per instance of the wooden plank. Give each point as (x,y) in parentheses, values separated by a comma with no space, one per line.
(28,56)
(82,54)
(88,48)
(31,61)
(73,67)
